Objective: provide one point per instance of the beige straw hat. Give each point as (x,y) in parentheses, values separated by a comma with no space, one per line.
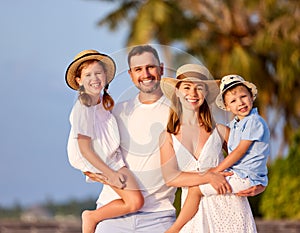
(229,81)
(191,73)
(86,55)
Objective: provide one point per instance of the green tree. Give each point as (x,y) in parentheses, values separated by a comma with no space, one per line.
(258,39)
(281,198)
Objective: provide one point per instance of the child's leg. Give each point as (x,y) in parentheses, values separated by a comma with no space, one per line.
(131,201)
(189,209)
(237,183)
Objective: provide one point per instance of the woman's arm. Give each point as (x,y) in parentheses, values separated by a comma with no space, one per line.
(252,191)
(176,178)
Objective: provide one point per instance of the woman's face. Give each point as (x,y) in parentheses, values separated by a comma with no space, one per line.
(93,78)
(191,95)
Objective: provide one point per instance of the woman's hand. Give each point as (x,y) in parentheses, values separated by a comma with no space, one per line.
(252,191)
(218,181)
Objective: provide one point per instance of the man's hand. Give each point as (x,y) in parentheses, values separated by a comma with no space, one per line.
(98,177)
(116,179)
(252,191)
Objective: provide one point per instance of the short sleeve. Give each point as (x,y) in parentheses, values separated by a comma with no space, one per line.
(253,130)
(82,120)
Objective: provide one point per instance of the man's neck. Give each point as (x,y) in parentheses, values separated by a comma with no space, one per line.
(150,98)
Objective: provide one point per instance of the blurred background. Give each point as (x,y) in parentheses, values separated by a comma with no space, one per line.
(260,40)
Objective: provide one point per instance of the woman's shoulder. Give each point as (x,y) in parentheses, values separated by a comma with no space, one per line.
(165,136)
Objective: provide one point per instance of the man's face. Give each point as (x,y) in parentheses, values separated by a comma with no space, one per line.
(145,72)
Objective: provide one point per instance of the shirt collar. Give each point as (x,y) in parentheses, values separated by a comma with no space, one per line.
(237,122)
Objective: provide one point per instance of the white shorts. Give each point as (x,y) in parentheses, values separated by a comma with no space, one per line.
(237,184)
(139,222)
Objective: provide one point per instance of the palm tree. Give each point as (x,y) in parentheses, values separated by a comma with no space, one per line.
(258,39)
(163,21)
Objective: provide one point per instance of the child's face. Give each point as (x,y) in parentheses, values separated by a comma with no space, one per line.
(239,101)
(191,95)
(93,78)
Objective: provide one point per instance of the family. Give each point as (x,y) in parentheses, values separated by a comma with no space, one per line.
(144,148)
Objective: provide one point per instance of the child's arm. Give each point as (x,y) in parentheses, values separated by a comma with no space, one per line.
(113,178)
(234,156)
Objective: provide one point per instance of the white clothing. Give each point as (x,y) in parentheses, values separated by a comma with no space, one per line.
(217,213)
(139,222)
(101,126)
(140,126)
(237,184)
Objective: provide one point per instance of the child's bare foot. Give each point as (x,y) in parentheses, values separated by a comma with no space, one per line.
(88,222)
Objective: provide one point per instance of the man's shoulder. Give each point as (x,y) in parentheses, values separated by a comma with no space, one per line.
(123,105)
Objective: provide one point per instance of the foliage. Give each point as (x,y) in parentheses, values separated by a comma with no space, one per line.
(259,40)
(69,208)
(177,201)
(13,212)
(281,198)
(72,207)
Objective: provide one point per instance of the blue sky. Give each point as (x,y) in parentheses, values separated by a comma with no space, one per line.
(38,41)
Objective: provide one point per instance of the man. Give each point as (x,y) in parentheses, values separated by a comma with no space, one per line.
(141,121)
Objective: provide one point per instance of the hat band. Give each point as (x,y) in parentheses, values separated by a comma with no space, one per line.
(192,74)
(226,86)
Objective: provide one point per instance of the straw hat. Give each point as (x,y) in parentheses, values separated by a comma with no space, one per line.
(191,73)
(86,55)
(229,81)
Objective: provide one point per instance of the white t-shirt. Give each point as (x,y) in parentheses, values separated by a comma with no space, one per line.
(101,126)
(140,126)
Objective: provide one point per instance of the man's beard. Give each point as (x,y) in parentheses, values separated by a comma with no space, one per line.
(148,90)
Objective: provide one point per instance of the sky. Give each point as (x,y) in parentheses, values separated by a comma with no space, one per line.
(38,41)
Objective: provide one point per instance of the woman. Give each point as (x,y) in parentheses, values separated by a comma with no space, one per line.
(193,143)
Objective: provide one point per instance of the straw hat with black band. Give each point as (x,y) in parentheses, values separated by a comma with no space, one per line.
(86,55)
(228,82)
(191,73)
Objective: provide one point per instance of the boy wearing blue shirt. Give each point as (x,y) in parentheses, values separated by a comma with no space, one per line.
(249,138)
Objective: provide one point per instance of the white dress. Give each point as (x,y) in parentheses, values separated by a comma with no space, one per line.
(217,213)
(101,126)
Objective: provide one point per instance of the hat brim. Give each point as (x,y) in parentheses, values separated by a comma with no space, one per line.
(168,86)
(219,98)
(109,63)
